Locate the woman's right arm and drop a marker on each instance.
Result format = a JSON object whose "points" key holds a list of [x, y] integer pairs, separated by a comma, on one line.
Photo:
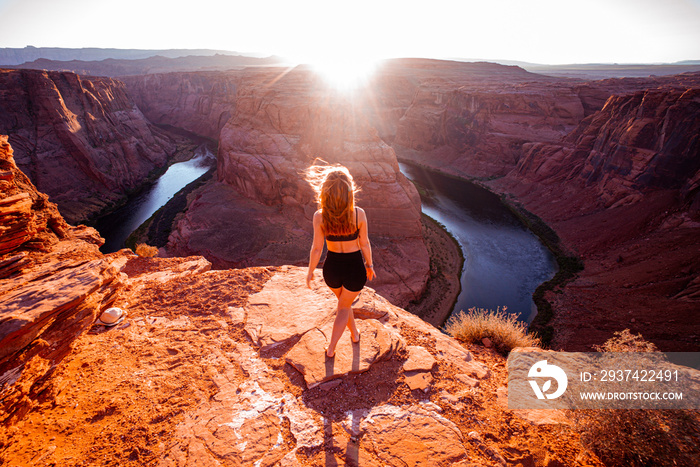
{"points": [[316, 248], [366, 247]]}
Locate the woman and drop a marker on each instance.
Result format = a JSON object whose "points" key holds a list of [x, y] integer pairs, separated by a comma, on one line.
{"points": [[348, 264]]}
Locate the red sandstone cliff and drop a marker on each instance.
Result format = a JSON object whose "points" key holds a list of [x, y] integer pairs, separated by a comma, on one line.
{"points": [[82, 142], [636, 144], [474, 117], [28, 218], [55, 280], [199, 102], [623, 191]]}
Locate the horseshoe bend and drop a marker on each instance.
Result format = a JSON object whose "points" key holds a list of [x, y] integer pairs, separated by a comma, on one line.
{"points": [[220, 358]]}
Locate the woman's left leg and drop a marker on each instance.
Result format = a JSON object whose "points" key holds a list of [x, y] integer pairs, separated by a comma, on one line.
{"points": [[343, 318], [355, 336]]}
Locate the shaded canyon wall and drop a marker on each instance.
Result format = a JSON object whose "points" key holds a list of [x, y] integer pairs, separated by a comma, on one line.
{"points": [[623, 191], [199, 102], [471, 118]]}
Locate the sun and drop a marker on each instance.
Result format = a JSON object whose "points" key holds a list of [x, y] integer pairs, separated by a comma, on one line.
{"points": [[345, 74]]}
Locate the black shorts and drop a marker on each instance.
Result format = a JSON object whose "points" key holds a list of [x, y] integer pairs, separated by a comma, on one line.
{"points": [[345, 270]]}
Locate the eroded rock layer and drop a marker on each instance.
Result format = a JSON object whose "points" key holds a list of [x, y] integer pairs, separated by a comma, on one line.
{"points": [[26, 216], [82, 142], [54, 282], [474, 117]]}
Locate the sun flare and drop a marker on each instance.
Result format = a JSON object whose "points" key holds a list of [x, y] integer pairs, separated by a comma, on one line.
{"points": [[345, 74]]}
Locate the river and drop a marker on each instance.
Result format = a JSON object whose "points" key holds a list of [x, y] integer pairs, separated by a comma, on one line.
{"points": [[116, 227], [503, 261]]}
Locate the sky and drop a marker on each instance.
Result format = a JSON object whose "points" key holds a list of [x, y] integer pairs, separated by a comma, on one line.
{"points": [[538, 31]]}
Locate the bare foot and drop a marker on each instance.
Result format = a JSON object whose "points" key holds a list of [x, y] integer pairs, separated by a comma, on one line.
{"points": [[355, 341], [329, 355]]}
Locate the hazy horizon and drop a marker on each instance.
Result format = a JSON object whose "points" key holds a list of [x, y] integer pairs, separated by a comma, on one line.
{"points": [[548, 32], [688, 61]]}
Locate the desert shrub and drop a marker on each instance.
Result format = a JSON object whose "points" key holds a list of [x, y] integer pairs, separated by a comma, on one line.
{"points": [[628, 437], [625, 341], [502, 328], [145, 250]]}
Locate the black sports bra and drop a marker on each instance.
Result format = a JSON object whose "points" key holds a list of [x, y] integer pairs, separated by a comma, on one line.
{"points": [[347, 237]]}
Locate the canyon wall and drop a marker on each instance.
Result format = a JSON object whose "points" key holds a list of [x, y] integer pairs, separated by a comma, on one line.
{"points": [[637, 143], [28, 218], [280, 125], [82, 142], [474, 117], [623, 191], [200, 102], [480, 131]]}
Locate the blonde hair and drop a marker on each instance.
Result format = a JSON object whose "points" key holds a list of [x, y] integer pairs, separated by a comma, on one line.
{"points": [[335, 195]]}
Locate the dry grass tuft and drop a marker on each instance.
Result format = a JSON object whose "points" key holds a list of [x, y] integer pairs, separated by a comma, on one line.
{"points": [[639, 437], [501, 328], [625, 341], [146, 251]]}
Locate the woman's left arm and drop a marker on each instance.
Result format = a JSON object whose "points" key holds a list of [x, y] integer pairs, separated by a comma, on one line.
{"points": [[366, 247], [316, 248]]}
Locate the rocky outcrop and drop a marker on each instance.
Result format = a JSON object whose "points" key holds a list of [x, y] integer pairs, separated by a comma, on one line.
{"points": [[281, 124], [54, 283], [623, 191], [198, 373], [200, 102], [27, 218], [82, 142]]}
